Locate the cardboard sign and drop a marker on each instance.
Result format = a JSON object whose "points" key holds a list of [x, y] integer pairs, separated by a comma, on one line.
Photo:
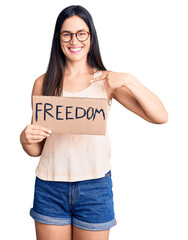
{"points": [[75, 115]]}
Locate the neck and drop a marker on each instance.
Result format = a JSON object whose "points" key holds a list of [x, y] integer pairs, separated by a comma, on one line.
{"points": [[77, 68]]}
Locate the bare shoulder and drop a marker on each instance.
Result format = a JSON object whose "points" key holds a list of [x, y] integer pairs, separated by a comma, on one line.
{"points": [[38, 85], [37, 91]]}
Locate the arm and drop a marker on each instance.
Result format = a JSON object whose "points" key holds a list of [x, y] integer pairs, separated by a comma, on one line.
{"points": [[34, 147], [137, 98], [129, 92]]}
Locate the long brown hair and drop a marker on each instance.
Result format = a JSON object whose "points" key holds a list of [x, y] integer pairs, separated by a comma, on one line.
{"points": [[53, 80]]}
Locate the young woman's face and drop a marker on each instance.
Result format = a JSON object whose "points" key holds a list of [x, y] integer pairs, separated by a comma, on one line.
{"points": [[79, 49]]}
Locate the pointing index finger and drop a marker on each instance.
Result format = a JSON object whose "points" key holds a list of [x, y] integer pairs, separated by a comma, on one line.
{"points": [[102, 77]]}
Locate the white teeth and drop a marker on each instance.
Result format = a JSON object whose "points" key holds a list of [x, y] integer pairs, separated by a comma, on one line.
{"points": [[75, 49]]}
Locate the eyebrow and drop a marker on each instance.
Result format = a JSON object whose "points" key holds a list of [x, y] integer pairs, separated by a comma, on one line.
{"points": [[77, 31]]}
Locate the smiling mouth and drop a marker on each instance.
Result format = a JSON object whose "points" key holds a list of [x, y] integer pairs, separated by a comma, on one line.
{"points": [[75, 50]]}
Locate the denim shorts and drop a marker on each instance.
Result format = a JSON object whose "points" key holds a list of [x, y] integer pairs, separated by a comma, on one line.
{"points": [[86, 204]]}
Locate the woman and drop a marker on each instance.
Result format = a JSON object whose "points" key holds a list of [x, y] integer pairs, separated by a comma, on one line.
{"points": [[73, 189]]}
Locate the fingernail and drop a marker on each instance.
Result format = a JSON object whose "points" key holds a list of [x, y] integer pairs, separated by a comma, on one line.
{"points": [[50, 131], [48, 135], [91, 81]]}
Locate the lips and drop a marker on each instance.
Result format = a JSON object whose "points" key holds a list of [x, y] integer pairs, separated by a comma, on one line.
{"points": [[75, 49]]}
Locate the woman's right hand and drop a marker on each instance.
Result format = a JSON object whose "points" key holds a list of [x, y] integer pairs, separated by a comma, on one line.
{"points": [[34, 134]]}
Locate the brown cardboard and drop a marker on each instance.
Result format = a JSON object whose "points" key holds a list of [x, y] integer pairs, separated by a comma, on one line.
{"points": [[75, 115]]}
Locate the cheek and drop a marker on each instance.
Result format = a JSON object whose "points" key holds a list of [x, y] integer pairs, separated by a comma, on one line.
{"points": [[88, 45], [63, 48]]}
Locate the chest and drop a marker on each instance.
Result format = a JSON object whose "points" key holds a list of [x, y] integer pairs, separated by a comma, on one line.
{"points": [[76, 84]]}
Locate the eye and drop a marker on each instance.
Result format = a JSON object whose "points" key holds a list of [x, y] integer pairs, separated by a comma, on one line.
{"points": [[82, 33], [66, 34]]}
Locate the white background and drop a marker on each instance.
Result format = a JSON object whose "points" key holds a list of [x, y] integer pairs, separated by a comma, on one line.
{"points": [[149, 161]]}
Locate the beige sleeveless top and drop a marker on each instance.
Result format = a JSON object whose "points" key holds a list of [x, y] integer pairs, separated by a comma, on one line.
{"points": [[76, 157]]}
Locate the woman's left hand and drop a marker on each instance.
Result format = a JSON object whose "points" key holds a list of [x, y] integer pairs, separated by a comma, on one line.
{"points": [[112, 80]]}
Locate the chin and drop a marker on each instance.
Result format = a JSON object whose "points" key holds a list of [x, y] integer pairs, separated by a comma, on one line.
{"points": [[76, 58]]}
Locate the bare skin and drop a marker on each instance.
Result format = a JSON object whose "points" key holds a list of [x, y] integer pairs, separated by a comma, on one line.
{"points": [[68, 232], [81, 234], [126, 89], [76, 78], [53, 232]]}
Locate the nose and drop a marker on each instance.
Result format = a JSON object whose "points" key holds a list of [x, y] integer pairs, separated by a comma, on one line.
{"points": [[74, 40]]}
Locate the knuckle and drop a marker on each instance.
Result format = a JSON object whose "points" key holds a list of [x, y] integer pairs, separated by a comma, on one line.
{"points": [[27, 131], [27, 138]]}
